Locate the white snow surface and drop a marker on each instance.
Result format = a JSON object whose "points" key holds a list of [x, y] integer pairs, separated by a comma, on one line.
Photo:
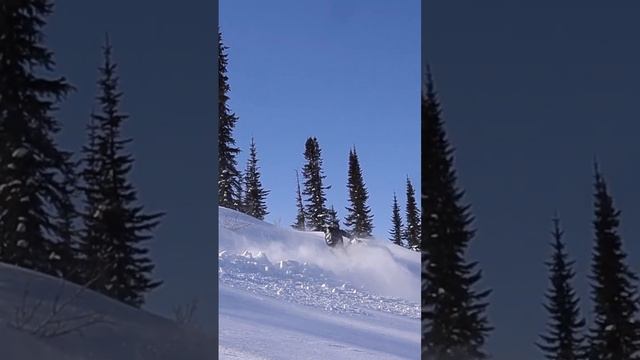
{"points": [[123, 333], [284, 294]]}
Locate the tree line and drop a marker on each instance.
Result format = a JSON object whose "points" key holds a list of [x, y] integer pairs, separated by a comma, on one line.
{"points": [[244, 192], [74, 217], [454, 321]]}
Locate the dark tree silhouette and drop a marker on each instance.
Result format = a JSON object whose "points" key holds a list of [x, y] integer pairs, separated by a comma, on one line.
{"points": [[115, 225], [300, 223], [332, 218], [412, 231], [33, 170], [615, 333], [359, 219], [65, 252], [563, 339], [254, 195], [454, 323], [316, 209], [229, 178], [396, 221]]}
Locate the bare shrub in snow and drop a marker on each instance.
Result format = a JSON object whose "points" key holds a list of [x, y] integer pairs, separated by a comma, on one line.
{"points": [[183, 314], [54, 319]]}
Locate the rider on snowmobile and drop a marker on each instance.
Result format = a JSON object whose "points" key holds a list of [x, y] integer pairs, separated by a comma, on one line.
{"points": [[332, 235]]}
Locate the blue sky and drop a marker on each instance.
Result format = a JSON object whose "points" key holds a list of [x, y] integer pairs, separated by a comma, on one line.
{"points": [[531, 93], [347, 72]]}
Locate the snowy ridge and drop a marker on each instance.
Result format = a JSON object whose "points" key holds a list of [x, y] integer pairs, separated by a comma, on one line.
{"points": [[285, 295], [122, 333]]}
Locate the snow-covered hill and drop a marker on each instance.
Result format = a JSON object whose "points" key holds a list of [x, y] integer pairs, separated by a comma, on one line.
{"points": [[285, 295], [38, 315]]}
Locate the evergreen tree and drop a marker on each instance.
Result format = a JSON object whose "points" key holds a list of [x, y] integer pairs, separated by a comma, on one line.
{"points": [[65, 255], [563, 340], [91, 188], [115, 225], [229, 178], [396, 220], [454, 323], [300, 217], [615, 333], [412, 232], [332, 218], [316, 209], [359, 218], [33, 169], [255, 195]]}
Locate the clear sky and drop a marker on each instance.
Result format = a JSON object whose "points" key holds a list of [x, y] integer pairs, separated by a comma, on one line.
{"points": [[531, 92], [167, 65], [345, 71]]}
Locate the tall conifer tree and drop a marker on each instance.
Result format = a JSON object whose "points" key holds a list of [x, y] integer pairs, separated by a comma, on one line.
{"points": [[359, 219], [615, 333], [412, 231], [91, 188], [564, 339], [316, 209], [33, 170], [332, 216], [300, 223], [115, 226], [255, 195], [65, 255], [229, 178], [454, 323], [396, 221]]}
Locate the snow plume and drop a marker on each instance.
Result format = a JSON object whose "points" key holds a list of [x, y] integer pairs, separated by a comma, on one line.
{"points": [[379, 266]]}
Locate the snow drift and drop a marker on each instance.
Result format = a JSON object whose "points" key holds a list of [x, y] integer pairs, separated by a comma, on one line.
{"points": [[284, 294], [43, 317]]}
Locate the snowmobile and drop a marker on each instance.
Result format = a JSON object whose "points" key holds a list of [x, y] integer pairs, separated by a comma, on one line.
{"points": [[333, 236]]}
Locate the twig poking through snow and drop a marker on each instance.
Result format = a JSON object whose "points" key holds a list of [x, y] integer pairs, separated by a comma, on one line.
{"points": [[54, 322], [183, 315]]}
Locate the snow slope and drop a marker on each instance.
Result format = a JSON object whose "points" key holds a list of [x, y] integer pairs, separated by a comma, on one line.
{"points": [[285, 295], [122, 332]]}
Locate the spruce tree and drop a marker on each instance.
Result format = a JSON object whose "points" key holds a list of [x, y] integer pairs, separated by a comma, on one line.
{"points": [[115, 225], [454, 323], [396, 221], [564, 339], [359, 218], [91, 188], [615, 333], [33, 168], [412, 231], [65, 255], [300, 223], [316, 209], [255, 195], [229, 178], [332, 218]]}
